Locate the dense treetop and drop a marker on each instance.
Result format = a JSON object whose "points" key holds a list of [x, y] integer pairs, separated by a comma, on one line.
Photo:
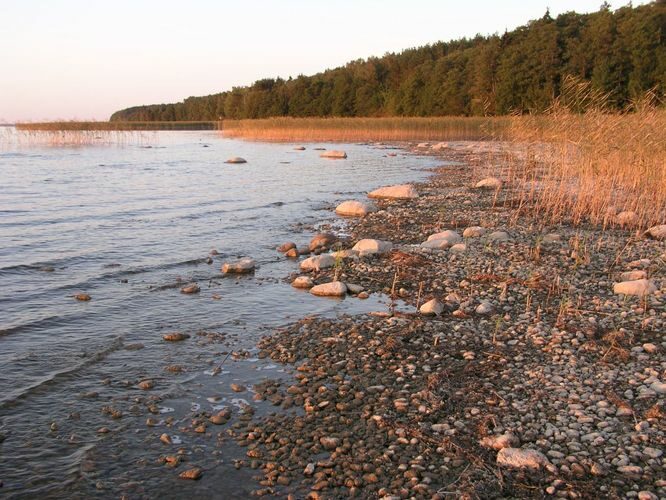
{"points": [[622, 53]]}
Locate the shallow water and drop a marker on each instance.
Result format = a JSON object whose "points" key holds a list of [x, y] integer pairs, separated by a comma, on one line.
{"points": [[129, 224]]}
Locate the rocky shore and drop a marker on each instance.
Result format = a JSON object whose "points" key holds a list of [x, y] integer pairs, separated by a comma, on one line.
{"points": [[527, 373]]}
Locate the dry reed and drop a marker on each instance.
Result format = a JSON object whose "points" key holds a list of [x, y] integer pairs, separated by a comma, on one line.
{"points": [[447, 128], [591, 166]]}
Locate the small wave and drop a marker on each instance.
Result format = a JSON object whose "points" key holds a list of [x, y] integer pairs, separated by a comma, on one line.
{"points": [[48, 381]]}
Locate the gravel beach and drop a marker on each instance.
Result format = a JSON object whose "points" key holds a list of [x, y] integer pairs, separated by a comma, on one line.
{"points": [[531, 379]]}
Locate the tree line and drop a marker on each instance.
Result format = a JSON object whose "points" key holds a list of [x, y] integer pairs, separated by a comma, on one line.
{"points": [[621, 53]]}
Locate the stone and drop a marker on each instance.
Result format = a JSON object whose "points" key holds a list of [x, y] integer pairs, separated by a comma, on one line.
{"points": [[432, 307], [83, 297], [355, 289], [521, 458], [299, 148], [423, 145], [458, 248], [237, 387], [500, 441], [451, 237], [657, 232], [322, 240], [285, 247], [333, 154], [647, 495], [370, 246], [353, 208], [652, 452], [489, 183], [499, 236], [551, 238], [484, 308], [236, 159], [633, 275], [626, 218], [193, 474], [474, 232], [175, 337], [329, 443], [398, 192], [347, 253], [658, 387], [317, 262], [635, 287], [191, 288], [302, 282], [292, 253], [332, 289], [242, 266]]}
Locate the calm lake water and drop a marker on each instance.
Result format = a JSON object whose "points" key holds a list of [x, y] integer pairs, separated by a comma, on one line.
{"points": [[129, 223]]}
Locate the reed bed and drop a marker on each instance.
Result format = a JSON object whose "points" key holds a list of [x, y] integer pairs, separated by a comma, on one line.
{"points": [[448, 128], [592, 166], [118, 126]]}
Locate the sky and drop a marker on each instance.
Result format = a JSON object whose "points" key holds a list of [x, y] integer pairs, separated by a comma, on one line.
{"points": [[85, 59]]}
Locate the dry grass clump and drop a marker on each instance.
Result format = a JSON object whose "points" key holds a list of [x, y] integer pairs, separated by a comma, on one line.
{"points": [[580, 163], [445, 128]]}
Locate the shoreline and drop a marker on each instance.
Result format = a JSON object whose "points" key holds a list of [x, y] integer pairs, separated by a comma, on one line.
{"points": [[411, 405]]}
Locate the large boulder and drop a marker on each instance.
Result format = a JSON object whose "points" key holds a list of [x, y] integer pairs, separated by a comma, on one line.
{"points": [[318, 262], [322, 240], [236, 159], [398, 192], [657, 232], [641, 287], [242, 266], [489, 183], [370, 246], [336, 155], [518, 458], [353, 208], [332, 289]]}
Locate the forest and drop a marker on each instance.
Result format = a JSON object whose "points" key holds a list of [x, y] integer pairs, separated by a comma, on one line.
{"points": [[621, 53]]}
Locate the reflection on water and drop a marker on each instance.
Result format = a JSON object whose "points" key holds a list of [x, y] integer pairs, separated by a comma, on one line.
{"points": [[129, 225]]}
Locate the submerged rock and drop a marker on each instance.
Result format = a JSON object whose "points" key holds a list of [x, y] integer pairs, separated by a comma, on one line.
{"points": [[337, 155], [83, 297], [318, 262], [236, 159], [353, 208], [640, 287], [193, 474], [175, 337], [299, 148], [489, 183], [245, 265], [191, 288], [332, 289], [400, 192]]}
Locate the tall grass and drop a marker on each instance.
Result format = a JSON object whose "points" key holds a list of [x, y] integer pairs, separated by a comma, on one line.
{"points": [[580, 163], [446, 128]]}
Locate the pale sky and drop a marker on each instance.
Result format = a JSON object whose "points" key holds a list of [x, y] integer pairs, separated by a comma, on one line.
{"points": [[84, 59]]}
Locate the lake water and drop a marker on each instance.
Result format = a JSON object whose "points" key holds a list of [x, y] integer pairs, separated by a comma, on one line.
{"points": [[129, 223]]}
